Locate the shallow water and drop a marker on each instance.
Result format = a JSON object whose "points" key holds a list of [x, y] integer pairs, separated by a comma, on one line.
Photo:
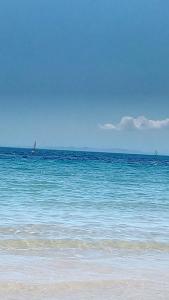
{"points": [[78, 225]]}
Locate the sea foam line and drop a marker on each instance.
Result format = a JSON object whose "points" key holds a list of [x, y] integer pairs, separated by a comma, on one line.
{"points": [[38, 244]]}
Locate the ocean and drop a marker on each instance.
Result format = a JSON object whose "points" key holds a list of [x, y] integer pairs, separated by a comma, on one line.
{"points": [[83, 225]]}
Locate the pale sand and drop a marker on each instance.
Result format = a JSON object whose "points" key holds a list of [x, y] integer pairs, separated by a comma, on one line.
{"points": [[96, 290]]}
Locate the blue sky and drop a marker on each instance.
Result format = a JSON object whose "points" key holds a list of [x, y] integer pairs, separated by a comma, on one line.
{"points": [[69, 66]]}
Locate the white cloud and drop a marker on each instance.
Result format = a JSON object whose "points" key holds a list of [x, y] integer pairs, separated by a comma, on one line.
{"points": [[139, 123]]}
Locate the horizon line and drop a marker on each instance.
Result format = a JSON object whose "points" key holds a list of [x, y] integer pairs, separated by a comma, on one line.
{"points": [[89, 149]]}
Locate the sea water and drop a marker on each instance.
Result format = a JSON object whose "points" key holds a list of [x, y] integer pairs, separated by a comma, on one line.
{"points": [[83, 225]]}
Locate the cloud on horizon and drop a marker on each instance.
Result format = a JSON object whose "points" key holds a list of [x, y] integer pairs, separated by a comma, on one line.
{"points": [[138, 123]]}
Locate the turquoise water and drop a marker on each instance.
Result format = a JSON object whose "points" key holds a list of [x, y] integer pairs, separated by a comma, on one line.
{"points": [[94, 216]]}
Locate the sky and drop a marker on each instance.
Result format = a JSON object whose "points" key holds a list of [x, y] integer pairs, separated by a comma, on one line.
{"points": [[85, 73]]}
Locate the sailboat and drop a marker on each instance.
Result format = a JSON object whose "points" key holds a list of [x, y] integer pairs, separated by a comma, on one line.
{"points": [[34, 147], [156, 153]]}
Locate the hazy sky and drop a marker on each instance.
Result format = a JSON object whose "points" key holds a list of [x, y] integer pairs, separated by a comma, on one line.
{"points": [[69, 67]]}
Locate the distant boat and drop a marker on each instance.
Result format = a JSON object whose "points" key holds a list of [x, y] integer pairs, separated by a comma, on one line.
{"points": [[156, 153], [34, 147]]}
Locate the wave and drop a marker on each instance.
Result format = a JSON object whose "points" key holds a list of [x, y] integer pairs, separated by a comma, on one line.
{"points": [[107, 245]]}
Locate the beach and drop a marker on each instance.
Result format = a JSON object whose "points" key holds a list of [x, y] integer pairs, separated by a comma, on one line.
{"points": [[83, 225]]}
